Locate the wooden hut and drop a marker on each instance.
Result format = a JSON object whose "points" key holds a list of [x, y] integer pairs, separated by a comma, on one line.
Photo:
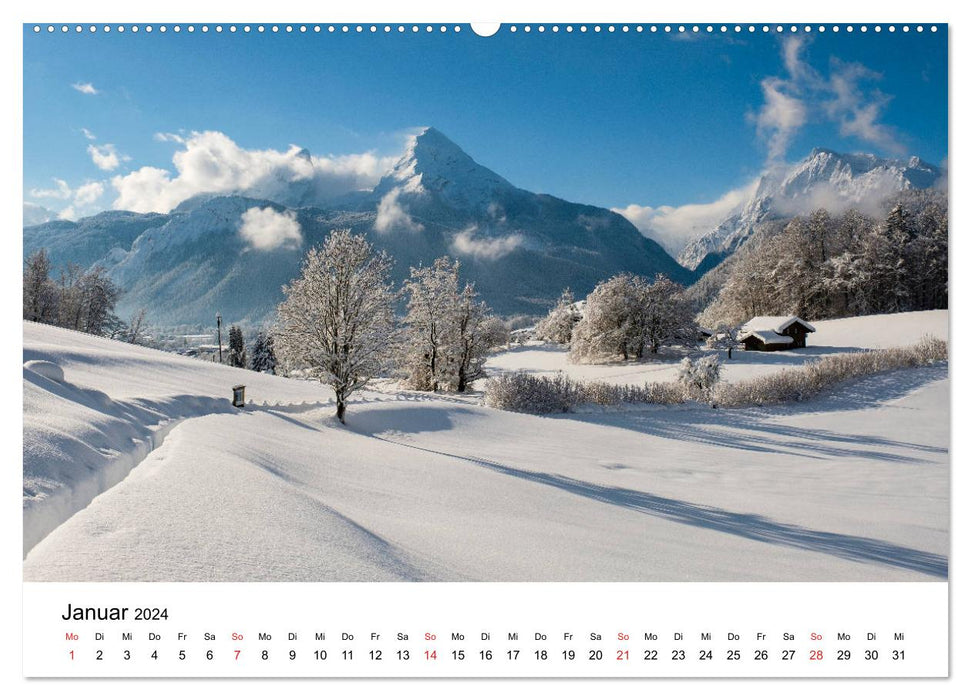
{"points": [[767, 333]]}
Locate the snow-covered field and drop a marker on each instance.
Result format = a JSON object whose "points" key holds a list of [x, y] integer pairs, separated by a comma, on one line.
{"points": [[842, 335], [423, 487]]}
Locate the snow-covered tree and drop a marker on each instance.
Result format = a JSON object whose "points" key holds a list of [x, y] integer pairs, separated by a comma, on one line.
{"points": [[608, 325], [262, 355], [337, 320], [899, 232], [495, 332], [558, 325], [473, 338], [929, 253], [724, 337], [432, 299], [627, 315], [666, 316], [448, 329], [237, 347], [699, 377]]}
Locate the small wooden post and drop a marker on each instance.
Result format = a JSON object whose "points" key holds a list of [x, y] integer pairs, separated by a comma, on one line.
{"points": [[219, 335], [239, 395]]}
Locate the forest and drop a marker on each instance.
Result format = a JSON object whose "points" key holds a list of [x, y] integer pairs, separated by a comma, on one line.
{"points": [[827, 265]]}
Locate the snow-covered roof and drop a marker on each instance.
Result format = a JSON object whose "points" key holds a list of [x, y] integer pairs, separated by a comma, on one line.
{"points": [[769, 337], [774, 323]]}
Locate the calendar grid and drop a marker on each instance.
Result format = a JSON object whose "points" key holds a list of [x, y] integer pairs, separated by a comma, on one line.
{"points": [[479, 630]]}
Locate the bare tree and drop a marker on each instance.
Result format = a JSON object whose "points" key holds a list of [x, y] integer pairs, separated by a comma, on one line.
{"points": [[81, 300], [134, 332], [337, 320], [86, 301], [724, 337], [40, 294]]}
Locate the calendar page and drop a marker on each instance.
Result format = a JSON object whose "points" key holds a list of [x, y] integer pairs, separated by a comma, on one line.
{"points": [[515, 350]]}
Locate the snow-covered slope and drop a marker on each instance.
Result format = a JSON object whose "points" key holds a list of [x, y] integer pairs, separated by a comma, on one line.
{"points": [[881, 330], [115, 405], [424, 487], [825, 179]]}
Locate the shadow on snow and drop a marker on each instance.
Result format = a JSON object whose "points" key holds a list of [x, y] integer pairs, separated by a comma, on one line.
{"points": [[747, 525], [756, 430]]}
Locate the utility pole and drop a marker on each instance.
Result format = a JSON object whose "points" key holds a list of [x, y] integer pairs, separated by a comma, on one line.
{"points": [[219, 335]]}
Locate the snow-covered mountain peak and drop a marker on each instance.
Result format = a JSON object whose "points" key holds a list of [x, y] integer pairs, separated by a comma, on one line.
{"points": [[433, 163], [824, 163], [824, 179], [430, 146]]}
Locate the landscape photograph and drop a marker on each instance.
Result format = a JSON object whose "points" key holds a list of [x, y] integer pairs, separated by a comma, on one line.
{"points": [[406, 303]]}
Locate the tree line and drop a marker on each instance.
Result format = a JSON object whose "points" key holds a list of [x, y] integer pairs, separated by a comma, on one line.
{"points": [[836, 265], [78, 299]]}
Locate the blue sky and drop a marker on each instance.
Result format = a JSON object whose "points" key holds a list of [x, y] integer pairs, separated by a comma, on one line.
{"points": [[608, 119]]}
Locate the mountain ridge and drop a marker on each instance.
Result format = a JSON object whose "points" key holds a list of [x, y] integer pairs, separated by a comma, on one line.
{"points": [[520, 248], [824, 179]]}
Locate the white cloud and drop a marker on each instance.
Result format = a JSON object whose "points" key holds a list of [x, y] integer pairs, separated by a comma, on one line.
{"points": [[61, 191], [857, 111], [146, 189], [781, 116], [106, 157], [804, 94], [466, 243], [392, 216], [164, 136], [675, 227], [210, 162], [83, 200], [85, 88], [839, 196], [88, 193], [497, 212], [268, 229], [796, 66], [88, 134]]}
